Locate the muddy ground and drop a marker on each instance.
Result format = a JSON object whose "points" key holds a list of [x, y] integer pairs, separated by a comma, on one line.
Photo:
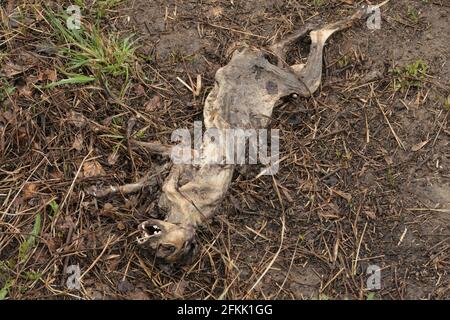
{"points": [[364, 179]]}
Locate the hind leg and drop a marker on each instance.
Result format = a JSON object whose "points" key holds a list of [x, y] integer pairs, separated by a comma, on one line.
{"points": [[281, 48], [310, 74]]}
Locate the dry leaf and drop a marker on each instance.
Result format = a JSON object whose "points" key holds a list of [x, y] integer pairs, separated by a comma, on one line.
{"points": [[388, 160], [370, 214], [108, 210], [22, 136], [112, 158], [215, 12], [52, 243], [419, 146], [125, 286], [138, 295], [77, 119], [139, 90], [51, 75], [11, 69], [153, 104], [345, 195], [121, 226], [287, 194], [235, 202], [112, 262], [330, 211], [307, 186], [25, 92], [78, 142], [29, 191], [8, 116], [93, 169], [23, 62], [328, 216], [47, 74], [107, 121], [54, 173]]}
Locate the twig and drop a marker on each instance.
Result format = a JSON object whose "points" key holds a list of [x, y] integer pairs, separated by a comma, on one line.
{"points": [[400, 143], [355, 263], [98, 258], [145, 181], [273, 259]]}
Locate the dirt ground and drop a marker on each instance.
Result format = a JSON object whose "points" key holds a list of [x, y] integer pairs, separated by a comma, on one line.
{"points": [[364, 179]]}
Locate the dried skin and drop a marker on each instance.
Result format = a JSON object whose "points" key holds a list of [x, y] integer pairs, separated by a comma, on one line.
{"points": [[245, 93]]}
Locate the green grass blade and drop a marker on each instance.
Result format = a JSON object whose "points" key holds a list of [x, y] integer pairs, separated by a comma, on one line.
{"points": [[5, 290], [26, 246], [79, 79]]}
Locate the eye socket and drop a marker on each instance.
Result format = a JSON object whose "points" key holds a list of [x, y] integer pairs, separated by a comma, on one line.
{"points": [[166, 249], [152, 230]]}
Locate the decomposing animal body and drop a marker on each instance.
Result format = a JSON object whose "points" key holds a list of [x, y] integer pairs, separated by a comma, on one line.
{"points": [[245, 93]]}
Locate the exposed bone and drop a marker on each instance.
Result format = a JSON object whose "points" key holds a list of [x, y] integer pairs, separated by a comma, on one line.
{"points": [[153, 147], [245, 93], [147, 181]]}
